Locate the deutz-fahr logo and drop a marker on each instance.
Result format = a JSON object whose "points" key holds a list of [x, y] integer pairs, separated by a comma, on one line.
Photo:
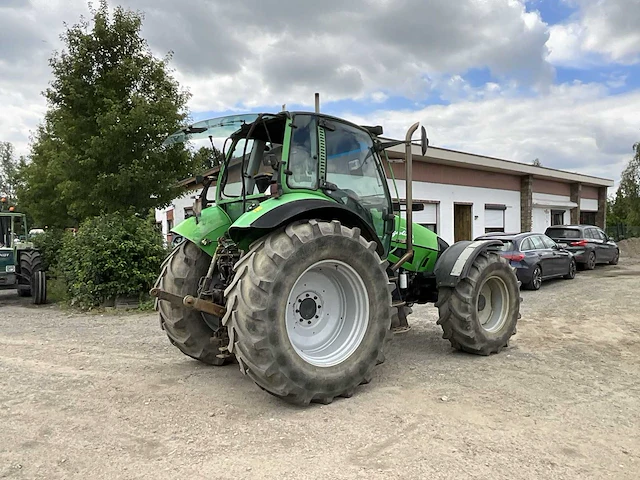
{"points": [[4, 255]]}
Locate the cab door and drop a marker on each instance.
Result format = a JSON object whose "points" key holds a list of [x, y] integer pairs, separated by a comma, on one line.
{"points": [[351, 172]]}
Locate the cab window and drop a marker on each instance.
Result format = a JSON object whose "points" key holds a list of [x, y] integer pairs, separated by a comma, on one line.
{"points": [[303, 153]]}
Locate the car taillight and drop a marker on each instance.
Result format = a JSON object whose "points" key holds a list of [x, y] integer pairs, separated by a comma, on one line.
{"points": [[516, 257], [581, 243]]}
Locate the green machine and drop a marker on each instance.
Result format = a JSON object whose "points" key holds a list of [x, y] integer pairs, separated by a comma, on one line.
{"points": [[302, 265], [20, 262]]}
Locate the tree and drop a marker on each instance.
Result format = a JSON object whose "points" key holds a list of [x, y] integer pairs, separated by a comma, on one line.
{"points": [[206, 158], [536, 162], [9, 168], [111, 104], [625, 207]]}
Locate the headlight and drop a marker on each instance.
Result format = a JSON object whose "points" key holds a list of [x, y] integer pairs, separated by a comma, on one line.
{"points": [[11, 268]]}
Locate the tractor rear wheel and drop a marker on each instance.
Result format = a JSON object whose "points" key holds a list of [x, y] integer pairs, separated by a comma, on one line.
{"points": [[479, 315], [309, 311], [30, 263], [185, 327]]}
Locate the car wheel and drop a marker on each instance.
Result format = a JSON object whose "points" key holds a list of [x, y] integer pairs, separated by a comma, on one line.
{"points": [[536, 279], [616, 258], [591, 261], [572, 270]]}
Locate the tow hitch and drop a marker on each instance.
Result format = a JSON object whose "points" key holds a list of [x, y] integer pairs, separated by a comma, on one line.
{"points": [[189, 301]]}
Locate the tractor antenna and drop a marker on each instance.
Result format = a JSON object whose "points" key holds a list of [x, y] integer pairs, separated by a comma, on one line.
{"points": [[317, 103]]}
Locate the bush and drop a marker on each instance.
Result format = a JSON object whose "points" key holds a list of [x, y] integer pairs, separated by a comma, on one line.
{"points": [[115, 255], [49, 244]]}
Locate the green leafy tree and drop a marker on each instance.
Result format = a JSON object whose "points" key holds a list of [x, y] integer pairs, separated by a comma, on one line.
{"points": [[111, 104], [624, 208], [9, 169], [206, 158]]}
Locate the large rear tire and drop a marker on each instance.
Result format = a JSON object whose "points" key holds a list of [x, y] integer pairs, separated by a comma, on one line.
{"points": [[309, 311], [480, 314], [185, 327], [30, 263]]}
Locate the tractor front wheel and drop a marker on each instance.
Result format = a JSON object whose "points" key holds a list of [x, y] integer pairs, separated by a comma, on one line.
{"points": [[309, 311], [479, 315]]}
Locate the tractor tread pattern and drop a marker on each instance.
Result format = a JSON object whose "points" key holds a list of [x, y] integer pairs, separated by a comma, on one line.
{"points": [[249, 315], [457, 311], [185, 327], [30, 263]]}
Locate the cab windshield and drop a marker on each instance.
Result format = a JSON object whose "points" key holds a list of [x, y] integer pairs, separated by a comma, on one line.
{"points": [[12, 230], [251, 144]]}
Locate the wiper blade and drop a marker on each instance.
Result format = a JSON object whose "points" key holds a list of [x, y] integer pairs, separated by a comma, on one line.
{"points": [[191, 129]]}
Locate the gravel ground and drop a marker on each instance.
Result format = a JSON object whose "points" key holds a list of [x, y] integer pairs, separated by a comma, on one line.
{"points": [[106, 396]]}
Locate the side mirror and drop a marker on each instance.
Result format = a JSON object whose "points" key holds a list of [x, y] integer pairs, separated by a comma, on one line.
{"points": [[424, 141]]}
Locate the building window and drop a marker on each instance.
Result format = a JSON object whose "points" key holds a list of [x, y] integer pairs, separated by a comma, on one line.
{"points": [[431, 226], [427, 216], [557, 217], [494, 218], [588, 218]]}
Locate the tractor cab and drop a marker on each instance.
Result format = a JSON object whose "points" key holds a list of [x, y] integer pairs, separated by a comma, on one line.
{"points": [[291, 158]]}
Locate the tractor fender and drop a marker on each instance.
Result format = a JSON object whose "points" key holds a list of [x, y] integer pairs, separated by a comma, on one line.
{"points": [[455, 262], [205, 230], [307, 209]]}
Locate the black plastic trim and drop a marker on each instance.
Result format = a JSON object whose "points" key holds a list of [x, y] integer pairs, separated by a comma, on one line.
{"points": [[448, 258], [314, 208]]}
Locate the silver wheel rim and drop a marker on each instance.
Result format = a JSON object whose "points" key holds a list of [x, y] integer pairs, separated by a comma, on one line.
{"points": [[537, 277], [327, 313], [493, 304]]}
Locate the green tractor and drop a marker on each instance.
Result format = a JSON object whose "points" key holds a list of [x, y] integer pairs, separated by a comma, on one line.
{"points": [[301, 267], [20, 262]]}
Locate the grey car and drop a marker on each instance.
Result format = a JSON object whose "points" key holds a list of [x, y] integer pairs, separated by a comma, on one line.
{"points": [[589, 245]]}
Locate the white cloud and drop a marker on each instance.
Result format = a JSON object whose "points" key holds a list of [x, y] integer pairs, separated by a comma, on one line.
{"points": [[573, 127], [601, 31], [251, 53]]}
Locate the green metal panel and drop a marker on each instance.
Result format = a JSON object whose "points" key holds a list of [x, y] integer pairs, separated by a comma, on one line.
{"points": [[425, 246], [205, 231]]}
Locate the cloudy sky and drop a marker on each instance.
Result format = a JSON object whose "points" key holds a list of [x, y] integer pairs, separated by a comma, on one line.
{"points": [[557, 80]]}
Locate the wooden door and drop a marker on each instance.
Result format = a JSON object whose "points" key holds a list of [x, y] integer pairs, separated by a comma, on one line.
{"points": [[462, 222]]}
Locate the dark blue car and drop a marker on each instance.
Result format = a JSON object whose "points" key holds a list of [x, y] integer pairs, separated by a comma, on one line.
{"points": [[536, 257]]}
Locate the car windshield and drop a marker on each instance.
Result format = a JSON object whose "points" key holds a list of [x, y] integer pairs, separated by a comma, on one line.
{"points": [[563, 233]]}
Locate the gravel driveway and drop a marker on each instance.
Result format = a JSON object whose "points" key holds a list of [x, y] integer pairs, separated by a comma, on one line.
{"points": [[106, 396]]}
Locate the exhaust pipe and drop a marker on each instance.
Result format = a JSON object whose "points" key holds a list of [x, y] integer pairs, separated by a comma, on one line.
{"points": [[409, 194], [317, 103]]}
